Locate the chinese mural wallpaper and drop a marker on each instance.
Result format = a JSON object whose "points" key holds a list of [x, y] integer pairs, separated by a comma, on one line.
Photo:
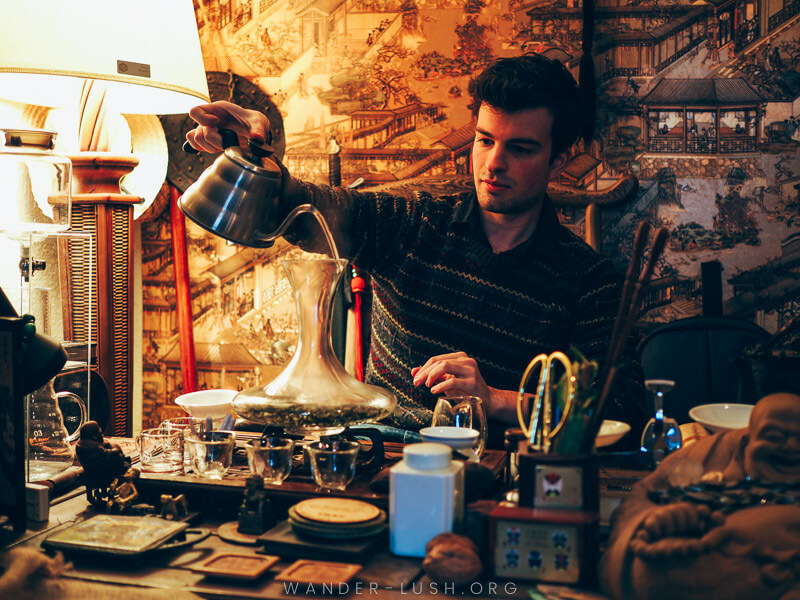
{"points": [[700, 101]]}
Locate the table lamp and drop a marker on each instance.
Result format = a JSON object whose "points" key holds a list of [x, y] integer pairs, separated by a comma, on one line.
{"points": [[104, 58]]}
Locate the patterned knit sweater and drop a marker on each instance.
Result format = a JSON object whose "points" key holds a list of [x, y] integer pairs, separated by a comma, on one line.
{"points": [[438, 287]]}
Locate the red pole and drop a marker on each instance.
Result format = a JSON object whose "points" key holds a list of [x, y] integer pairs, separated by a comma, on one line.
{"points": [[358, 285], [183, 294]]}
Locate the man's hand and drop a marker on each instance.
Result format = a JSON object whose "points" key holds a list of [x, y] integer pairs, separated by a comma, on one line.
{"points": [[452, 375], [457, 374], [225, 115]]}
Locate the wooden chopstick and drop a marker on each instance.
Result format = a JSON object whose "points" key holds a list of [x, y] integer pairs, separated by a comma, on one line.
{"points": [[659, 242], [639, 245], [618, 343]]}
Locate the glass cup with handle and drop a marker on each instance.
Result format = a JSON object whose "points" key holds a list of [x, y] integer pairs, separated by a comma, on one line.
{"points": [[188, 426], [333, 462], [271, 458], [462, 411], [161, 451]]}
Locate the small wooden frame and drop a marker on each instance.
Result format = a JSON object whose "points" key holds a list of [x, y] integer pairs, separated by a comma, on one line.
{"points": [[231, 565], [557, 546], [559, 481], [318, 572]]}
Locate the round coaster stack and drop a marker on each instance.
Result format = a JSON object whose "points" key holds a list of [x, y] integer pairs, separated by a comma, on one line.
{"points": [[336, 518]]}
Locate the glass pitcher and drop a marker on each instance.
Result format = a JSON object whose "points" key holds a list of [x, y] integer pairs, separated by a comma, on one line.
{"points": [[314, 395], [49, 447]]}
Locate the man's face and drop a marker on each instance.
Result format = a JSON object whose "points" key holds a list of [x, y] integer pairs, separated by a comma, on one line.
{"points": [[772, 454], [511, 159]]}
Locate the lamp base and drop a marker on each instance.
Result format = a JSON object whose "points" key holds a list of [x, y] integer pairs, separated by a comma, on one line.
{"points": [[100, 172], [100, 208]]}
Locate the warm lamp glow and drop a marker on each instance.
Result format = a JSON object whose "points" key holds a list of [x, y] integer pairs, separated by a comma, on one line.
{"points": [[147, 52], [101, 59]]}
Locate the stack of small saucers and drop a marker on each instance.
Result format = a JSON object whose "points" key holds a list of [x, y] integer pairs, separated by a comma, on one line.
{"points": [[336, 518]]}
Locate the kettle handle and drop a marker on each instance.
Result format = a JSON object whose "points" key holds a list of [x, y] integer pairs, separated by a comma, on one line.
{"points": [[229, 138]]}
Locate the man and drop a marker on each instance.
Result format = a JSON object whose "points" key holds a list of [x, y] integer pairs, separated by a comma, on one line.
{"points": [[468, 288]]}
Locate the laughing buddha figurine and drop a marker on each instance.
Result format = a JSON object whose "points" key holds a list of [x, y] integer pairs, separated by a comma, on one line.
{"points": [[718, 519]]}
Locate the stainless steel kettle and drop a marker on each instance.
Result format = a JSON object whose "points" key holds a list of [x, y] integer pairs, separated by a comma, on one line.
{"points": [[237, 197]]}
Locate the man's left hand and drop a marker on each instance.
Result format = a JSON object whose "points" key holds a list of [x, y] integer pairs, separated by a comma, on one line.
{"points": [[452, 375], [456, 374]]}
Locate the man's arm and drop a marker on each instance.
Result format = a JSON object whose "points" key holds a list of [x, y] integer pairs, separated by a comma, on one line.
{"points": [[367, 227]]}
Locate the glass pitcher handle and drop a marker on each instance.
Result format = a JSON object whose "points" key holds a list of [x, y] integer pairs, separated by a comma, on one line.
{"points": [[81, 406]]}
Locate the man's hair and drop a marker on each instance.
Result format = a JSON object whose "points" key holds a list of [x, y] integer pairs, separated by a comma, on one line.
{"points": [[532, 81]]}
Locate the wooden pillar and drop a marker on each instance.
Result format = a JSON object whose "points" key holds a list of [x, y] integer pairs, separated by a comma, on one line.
{"points": [[594, 227]]}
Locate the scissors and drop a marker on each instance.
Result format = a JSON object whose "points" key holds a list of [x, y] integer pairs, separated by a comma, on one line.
{"points": [[543, 402]]}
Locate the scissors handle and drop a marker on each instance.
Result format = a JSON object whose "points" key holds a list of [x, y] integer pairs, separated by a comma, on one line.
{"points": [[543, 405]]}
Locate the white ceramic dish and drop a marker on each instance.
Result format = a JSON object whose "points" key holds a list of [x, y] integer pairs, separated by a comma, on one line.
{"points": [[455, 437], [722, 417], [610, 432], [459, 438], [207, 403]]}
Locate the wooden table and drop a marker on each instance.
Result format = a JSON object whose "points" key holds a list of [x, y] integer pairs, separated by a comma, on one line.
{"points": [[384, 575]]}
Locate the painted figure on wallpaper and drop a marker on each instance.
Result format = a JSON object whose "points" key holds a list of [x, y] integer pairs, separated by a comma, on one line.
{"points": [[735, 222]]}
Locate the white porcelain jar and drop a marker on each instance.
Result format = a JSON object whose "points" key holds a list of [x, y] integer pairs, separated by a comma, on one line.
{"points": [[426, 497]]}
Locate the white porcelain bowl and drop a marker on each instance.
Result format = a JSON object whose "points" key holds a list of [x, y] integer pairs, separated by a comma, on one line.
{"points": [[458, 438], [610, 432], [207, 403], [722, 417], [455, 437]]}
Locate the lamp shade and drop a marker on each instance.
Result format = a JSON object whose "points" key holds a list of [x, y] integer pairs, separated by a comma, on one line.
{"points": [[147, 51]]}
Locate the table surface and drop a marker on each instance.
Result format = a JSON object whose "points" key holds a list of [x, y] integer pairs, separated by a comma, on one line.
{"points": [[383, 575]]}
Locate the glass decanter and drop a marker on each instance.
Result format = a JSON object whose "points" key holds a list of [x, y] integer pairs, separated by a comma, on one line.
{"points": [[314, 395]]}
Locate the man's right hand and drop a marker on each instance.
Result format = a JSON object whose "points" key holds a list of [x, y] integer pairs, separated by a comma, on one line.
{"points": [[225, 115]]}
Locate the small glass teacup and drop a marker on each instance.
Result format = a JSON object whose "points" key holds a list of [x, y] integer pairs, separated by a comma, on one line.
{"points": [[212, 453], [270, 457], [333, 462]]}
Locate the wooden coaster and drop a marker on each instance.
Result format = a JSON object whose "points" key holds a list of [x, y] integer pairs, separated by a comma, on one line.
{"points": [[318, 572], [336, 534], [230, 533], [230, 565], [331, 525], [336, 510]]}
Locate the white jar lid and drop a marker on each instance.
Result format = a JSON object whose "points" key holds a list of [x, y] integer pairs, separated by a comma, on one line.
{"points": [[427, 455]]}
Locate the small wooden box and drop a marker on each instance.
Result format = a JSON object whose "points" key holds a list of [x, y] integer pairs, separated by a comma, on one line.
{"points": [[556, 546], [559, 481]]}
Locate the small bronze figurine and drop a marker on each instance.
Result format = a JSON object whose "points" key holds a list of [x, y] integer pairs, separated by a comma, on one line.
{"points": [[122, 492], [101, 460], [255, 515], [174, 508]]}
